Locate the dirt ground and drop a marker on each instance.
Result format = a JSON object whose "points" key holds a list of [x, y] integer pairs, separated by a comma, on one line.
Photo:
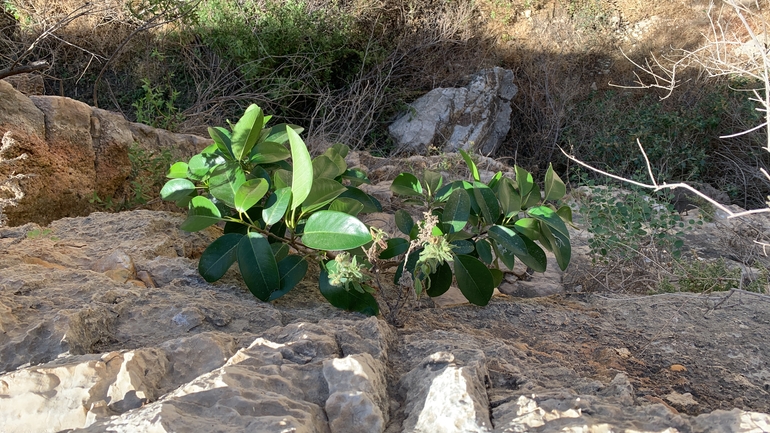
{"points": [[713, 347]]}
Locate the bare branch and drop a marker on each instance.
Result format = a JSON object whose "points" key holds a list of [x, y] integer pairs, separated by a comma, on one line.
{"points": [[34, 66]]}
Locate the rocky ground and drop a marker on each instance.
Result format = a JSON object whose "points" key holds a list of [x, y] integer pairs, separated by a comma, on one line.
{"points": [[107, 326]]}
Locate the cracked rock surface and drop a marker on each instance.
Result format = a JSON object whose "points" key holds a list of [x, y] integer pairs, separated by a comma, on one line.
{"points": [[107, 326]]}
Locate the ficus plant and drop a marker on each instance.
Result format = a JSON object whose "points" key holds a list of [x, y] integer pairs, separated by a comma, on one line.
{"points": [[279, 208], [474, 231]]}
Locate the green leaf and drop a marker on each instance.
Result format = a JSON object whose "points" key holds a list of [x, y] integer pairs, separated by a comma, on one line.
{"points": [[250, 193], [484, 250], [177, 171], [396, 247], [524, 181], [282, 179], [331, 231], [445, 191], [219, 256], [411, 264], [554, 187], [202, 214], [535, 257], [221, 138], [200, 165], [347, 205], [473, 279], [433, 181], [323, 166], [510, 200], [279, 135], [471, 165], [370, 203], [495, 180], [177, 189], [350, 300], [404, 222], [247, 131], [280, 250], [292, 270], [528, 227], [462, 246], [497, 277], [504, 255], [302, 174], [276, 206], [266, 152], [406, 184], [225, 181], [565, 213], [322, 193], [533, 198], [560, 246], [548, 216], [457, 210], [487, 201], [440, 281], [257, 265], [355, 176], [508, 239]]}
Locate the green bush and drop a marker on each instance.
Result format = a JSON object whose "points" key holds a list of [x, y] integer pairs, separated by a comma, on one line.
{"points": [[278, 215]]}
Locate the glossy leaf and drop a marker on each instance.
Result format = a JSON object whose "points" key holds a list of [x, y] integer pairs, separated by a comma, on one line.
{"points": [[484, 250], [533, 199], [281, 179], [257, 265], [554, 187], [323, 166], [404, 222], [406, 184], [433, 181], [247, 131], [222, 139], [471, 165], [177, 171], [535, 257], [176, 189], [487, 201], [560, 246], [250, 193], [302, 175], [510, 200], [276, 206], [565, 213], [280, 250], [219, 256], [504, 255], [291, 270], [548, 216], [440, 281], [200, 165], [267, 152], [457, 210], [370, 203], [329, 230], [355, 176], [279, 135], [462, 246], [347, 205], [524, 181], [225, 181], [497, 277], [396, 247], [473, 279], [508, 239], [495, 180], [528, 227], [322, 193], [350, 300], [202, 214]]}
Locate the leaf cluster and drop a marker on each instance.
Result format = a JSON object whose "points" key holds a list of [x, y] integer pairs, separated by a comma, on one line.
{"points": [[486, 226], [280, 208]]}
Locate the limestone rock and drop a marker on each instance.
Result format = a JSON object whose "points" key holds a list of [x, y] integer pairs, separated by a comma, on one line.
{"points": [[111, 139], [477, 116], [357, 394], [446, 393], [20, 113]]}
